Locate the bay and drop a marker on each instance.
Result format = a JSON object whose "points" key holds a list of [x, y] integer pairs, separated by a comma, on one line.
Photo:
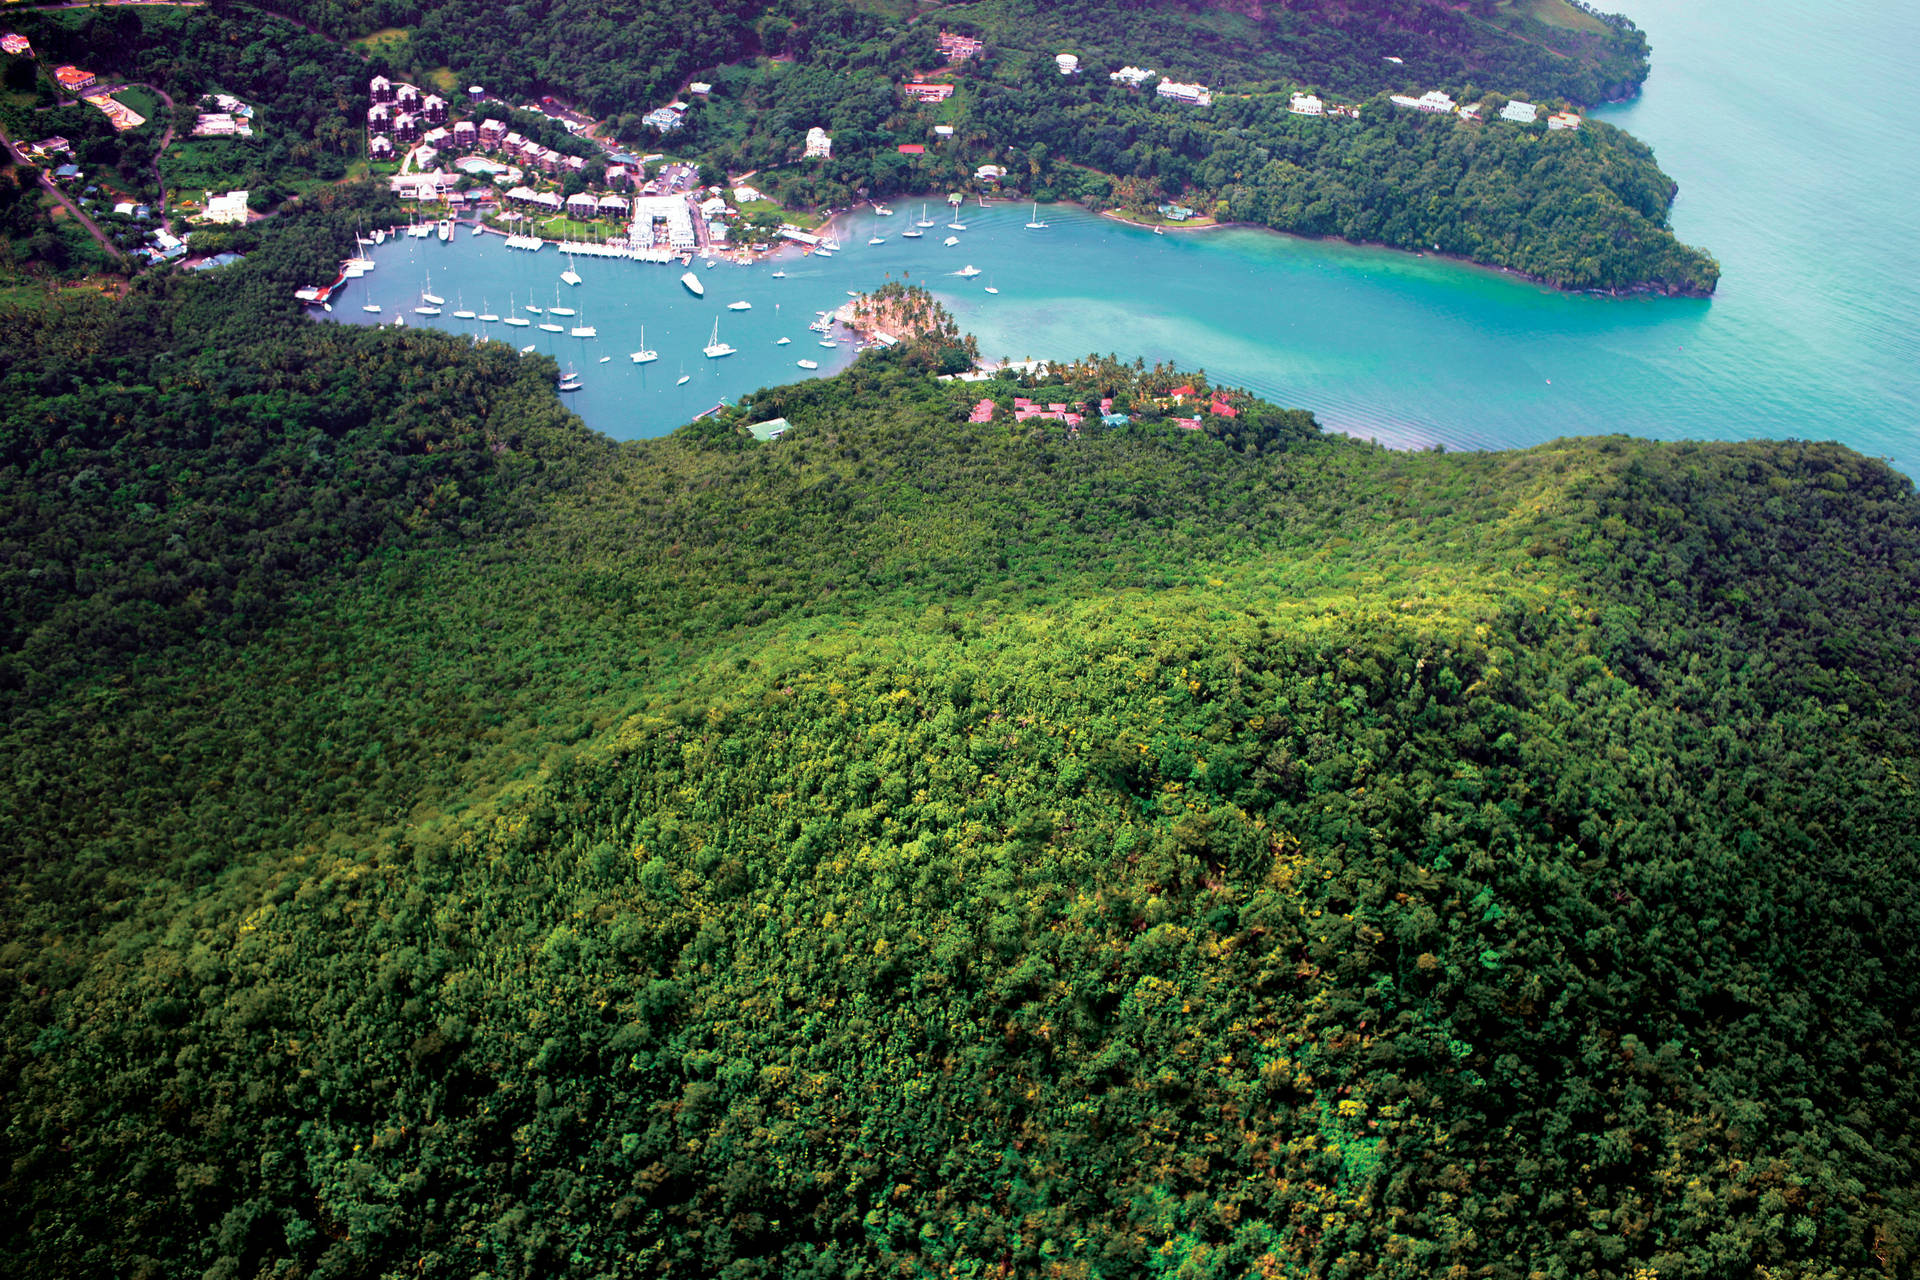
{"points": [[1772, 118]]}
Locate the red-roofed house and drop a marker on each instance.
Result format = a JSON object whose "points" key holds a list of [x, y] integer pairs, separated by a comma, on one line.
{"points": [[982, 412], [911, 149], [1221, 409], [1181, 393]]}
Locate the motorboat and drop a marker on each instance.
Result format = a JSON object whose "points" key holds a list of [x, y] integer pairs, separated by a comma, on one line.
{"points": [[950, 241], [374, 307], [604, 359], [808, 364], [779, 275], [527, 350], [716, 348], [968, 272], [684, 379], [779, 342], [446, 230], [693, 284], [740, 306]]}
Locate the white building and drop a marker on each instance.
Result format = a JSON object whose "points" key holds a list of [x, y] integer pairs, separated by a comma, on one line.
{"points": [[1563, 120], [229, 209], [819, 145], [1306, 104], [943, 131], [745, 194], [1519, 112], [1432, 100], [1196, 94], [1068, 64], [1133, 76], [699, 88]]}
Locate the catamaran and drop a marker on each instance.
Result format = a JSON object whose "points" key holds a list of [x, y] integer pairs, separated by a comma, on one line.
{"points": [[584, 331], [645, 355], [1034, 223], [716, 348], [570, 275], [693, 284]]}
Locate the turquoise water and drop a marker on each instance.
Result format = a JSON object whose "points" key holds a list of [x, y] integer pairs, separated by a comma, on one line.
{"points": [[1775, 120]]}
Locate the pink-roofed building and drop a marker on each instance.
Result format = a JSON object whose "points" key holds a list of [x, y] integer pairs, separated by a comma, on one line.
{"points": [[1022, 402], [1221, 409], [1106, 404], [1187, 424], [982, 412]]}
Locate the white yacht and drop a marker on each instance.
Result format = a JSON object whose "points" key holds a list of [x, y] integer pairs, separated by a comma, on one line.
{"points": [[740, 306], [808, 364], [778, 342], [645, 355], [693, 284], [968, 272], [716, 348], [779, 275], [950, 241], [373, 307]]}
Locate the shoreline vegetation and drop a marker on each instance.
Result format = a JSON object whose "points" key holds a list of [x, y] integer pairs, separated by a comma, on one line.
{"points": [[940, 841]]}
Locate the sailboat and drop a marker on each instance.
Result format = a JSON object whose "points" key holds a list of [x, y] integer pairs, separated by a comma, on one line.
{"points": [[716, 348], [779, 275], [556, 309], [570, 380], [584, 330], [373, 307], [514, 318], [570, 275], [1034, 223], [684, 377], [991, 287], [487, 317], [912, 233], [462, 313], [956, 224], [924, 221], [644, 355], [878, 240], [428, 296]]}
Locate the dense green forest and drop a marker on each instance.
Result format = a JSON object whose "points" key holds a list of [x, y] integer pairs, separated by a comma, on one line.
{"points": [[439, 841]]}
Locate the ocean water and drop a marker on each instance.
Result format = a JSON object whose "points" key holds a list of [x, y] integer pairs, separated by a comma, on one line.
{"points": [[1773, 118]]}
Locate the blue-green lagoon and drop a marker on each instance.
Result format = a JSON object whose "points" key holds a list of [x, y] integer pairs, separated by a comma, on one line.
{"points": [[1806, 198]]}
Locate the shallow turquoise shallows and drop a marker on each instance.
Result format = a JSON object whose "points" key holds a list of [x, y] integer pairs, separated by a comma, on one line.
{"points": [[1775, 119]]}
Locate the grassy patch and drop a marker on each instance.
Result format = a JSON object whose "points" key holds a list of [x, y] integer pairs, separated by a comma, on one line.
{"points": [[210, 163], [443, 79], [139, 100], [1557, 13], [388, 41]]}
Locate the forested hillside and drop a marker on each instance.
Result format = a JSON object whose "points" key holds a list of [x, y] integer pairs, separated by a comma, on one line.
{"points": [[441, 842]]}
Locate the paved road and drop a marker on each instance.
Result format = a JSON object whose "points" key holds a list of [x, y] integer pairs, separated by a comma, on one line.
{"points": [[47, 184]]}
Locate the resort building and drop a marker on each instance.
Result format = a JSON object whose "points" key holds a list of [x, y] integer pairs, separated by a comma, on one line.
{"points": [[920, 92], [379, 116], [380, 89], [221, 124], [1519, 112], [406, 128], [406, 98], [466, 134], [1432, 100], [229, 209], [492, 134], [16, 44], [1133, 77], [1069, 64], [662, 119], [380, 147], [73, 79], [611, 206], [819, 145], [434, 109], [1197, 94], [1306, 104], [1563, 120], [581, 205]]}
